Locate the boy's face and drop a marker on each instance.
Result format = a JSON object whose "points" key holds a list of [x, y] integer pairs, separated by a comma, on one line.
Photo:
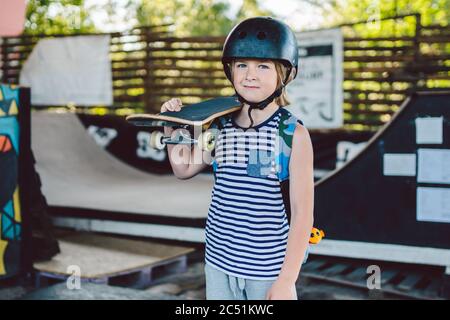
{"points": [[254, 80]]}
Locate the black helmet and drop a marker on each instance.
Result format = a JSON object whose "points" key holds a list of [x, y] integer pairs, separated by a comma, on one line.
{"points": [[261, 38]]}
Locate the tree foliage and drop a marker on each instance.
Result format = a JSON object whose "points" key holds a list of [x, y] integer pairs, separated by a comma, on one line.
{"points": [[339, 12], [213, 17], [64, 16], [195, 17]]}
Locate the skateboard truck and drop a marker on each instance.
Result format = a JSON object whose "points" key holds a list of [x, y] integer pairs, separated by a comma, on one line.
{"points": [[206, 140]]}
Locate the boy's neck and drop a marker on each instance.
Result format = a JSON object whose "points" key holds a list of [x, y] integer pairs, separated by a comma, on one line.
{"points": [[258, 116]]}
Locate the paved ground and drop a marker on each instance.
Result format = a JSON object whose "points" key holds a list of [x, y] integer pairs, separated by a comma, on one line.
{"points": [[189, 285]]}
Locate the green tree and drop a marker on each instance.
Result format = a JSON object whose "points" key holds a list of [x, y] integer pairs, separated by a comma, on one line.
{"points": [[195, 17], [190, 17], [64, 16], [348, 11], [251, 8]]}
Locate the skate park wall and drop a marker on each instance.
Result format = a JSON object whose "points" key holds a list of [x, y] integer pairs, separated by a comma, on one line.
{"points": [[391, 202], [14, 194]]}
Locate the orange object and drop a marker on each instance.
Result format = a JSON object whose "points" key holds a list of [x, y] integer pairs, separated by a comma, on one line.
{"points": [[12, 17], [316, 236], [5, 144]]}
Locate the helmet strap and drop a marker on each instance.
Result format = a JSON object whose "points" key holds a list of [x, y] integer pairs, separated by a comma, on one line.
{"points": [[261, 104]]}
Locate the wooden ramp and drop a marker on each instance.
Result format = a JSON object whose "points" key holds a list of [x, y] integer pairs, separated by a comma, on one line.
{"points": [[114, 261]]}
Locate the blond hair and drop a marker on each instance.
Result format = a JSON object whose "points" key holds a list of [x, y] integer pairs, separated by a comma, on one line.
{"points": [[282, 100], [281, 70]]}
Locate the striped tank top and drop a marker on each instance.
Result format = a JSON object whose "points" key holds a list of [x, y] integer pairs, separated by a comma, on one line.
{"points": [[247, 227]]}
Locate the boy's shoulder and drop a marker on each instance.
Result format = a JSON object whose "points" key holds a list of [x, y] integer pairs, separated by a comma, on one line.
{"points": [[288, 122]]}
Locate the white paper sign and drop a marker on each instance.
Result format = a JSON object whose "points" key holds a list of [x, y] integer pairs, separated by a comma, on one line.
{"points": [[316, 94], [399, 164], [433, 204], [69, 70], [429, 130], [434, 166]]}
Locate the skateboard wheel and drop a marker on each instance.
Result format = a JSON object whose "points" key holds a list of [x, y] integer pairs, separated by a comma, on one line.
{"points": [[156, 140], [207, 141]]}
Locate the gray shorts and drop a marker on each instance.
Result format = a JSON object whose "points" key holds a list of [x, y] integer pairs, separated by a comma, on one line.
{"points": [[221, 286]]}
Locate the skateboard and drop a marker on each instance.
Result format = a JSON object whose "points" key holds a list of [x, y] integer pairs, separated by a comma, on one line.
{"points": [[199, 115]]}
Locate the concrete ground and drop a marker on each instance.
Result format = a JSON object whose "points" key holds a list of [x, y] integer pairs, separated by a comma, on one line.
{"points": [[189, 285]]}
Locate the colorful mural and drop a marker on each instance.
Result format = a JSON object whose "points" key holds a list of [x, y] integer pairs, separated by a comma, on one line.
{"points": [[10, 213]]}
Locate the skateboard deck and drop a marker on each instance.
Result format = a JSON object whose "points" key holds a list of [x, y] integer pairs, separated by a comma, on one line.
{"points": [[200, 115]]}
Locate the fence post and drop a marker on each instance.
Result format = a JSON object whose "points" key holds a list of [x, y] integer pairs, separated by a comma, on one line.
{"points": [[417, 54], [147, 66], [3, 55]]}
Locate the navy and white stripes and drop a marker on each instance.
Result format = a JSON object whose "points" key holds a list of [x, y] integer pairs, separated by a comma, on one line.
{"points": [[247, 227]]}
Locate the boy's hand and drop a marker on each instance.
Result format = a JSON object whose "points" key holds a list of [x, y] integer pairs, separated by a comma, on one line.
{"points": [[173, 104], [282, 290]]}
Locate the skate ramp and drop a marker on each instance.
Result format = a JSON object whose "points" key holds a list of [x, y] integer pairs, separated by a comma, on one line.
{"points": [[77, 174]]}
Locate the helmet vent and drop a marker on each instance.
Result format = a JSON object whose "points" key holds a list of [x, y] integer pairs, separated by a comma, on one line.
{"points": [[261, 35], [242, 34]]}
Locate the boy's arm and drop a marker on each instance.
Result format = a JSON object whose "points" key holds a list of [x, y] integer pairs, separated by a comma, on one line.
{"points": [[301, 188]]}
